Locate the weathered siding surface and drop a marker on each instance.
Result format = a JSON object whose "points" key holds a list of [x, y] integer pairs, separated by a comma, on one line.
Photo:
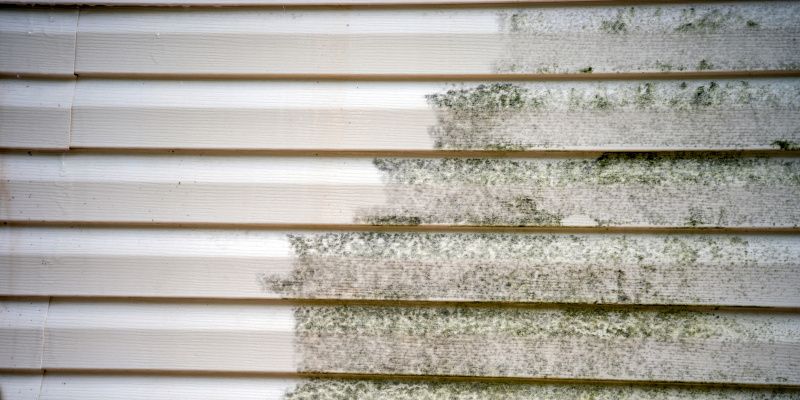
{"points": [[757, 270], [594, 201], [712, 114], [733, 36]]}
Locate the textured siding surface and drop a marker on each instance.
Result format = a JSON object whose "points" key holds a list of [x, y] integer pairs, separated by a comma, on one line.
{"points": [[545, 200]]}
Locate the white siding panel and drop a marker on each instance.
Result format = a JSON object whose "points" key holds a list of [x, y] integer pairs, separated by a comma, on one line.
{"points": [[731, 347], [35, 114], [37, 41], [20, 386], [154, 387], [59, 386], [21, 330], [281, 115], [732, 270], [612, 190], [438, 42], [170, 336]]}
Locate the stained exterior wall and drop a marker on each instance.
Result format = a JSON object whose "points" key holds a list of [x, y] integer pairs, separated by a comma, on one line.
{"points": [[497, 201]]}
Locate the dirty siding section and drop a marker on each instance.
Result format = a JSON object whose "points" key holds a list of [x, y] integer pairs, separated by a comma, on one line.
{"points": [[603, 238]]}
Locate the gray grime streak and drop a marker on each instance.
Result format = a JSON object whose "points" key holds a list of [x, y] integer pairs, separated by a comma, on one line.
{"points": [[586, 268], [330, 389], [744, 36]]}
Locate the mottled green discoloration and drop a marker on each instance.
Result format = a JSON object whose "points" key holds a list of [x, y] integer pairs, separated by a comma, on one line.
{"points": [[786, 145], [665, 38], [709, 21], [611, 168], [586, 268], [704, 65], [328, 389], [619, 24], [515, 116], [664, 345], [543, 192]]}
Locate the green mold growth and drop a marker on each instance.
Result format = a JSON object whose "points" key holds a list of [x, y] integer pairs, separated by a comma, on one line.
{"points": [[706, 97], [532, 342], [618, 269], [506, 116], [510, 192], [752, 24], [704, 65], [335, 389], [703, 168], [786, 145], [644, 96], [617, 25], [710, 21], [468, 115], [374, 321], [587, 70]]}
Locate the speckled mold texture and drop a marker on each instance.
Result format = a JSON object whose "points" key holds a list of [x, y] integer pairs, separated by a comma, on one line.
{"points": [[680, 37], [714, 114], [555, 268], [616, 189], [326, 389], [576, 343]]}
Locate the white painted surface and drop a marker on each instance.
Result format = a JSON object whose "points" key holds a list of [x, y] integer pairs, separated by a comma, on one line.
{"points": [[21, 330], [38, 41], [20, 386], [191, 336], [35, 114]]}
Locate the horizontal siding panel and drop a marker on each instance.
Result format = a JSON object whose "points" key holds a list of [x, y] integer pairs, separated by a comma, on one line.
{"points": [[20, 386], [631, 115], [35, 114], [730, 270], [21, 332], [657, 190], [721, 346], [135, 387], [37, 41], [733, 36], [170, 336], [59, 386]]}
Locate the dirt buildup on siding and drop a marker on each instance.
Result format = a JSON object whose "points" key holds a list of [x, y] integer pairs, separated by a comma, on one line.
{"points": [[528, 192], [334, 389], [513, 116], [618, 269]]}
